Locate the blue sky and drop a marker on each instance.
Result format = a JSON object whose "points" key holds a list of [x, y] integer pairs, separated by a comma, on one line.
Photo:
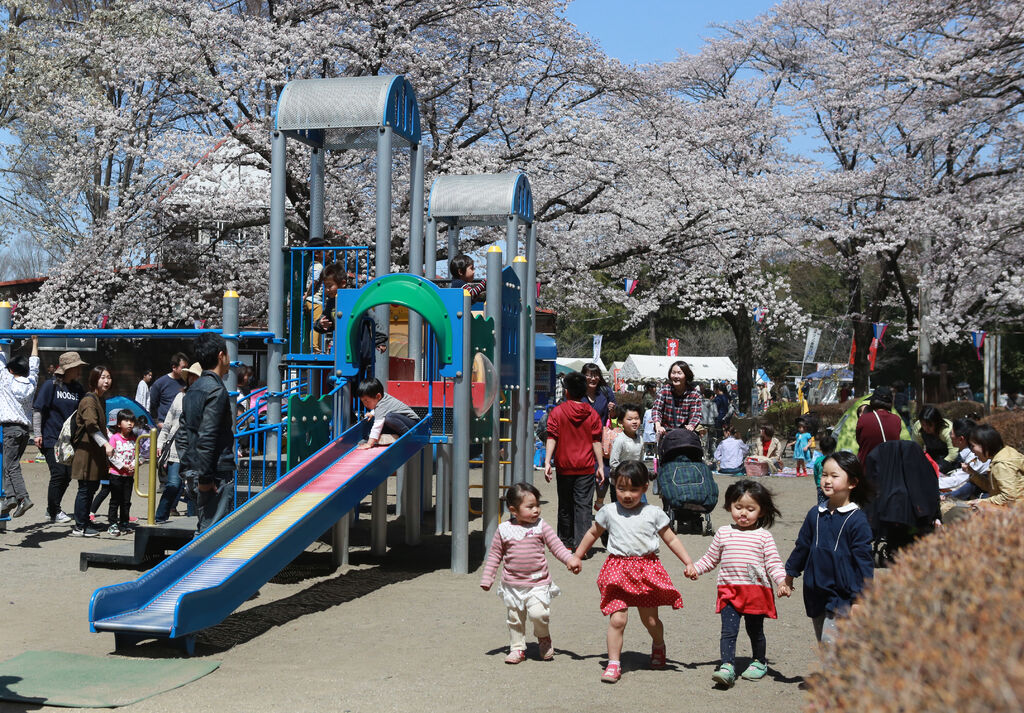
{"points": [[653, 30]]}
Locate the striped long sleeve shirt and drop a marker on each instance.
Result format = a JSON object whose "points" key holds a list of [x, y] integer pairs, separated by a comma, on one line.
{"points": [[521, 550], [748, 561]]}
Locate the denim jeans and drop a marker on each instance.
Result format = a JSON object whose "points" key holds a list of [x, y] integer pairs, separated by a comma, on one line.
{"points": [[172, 489], [86, 489], [967, 491], [213, 505], [15, 442]]}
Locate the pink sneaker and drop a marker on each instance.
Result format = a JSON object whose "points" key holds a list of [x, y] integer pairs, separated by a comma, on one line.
{"points": [[612, 673], [515, 656], [547, 649], [657, 657]]}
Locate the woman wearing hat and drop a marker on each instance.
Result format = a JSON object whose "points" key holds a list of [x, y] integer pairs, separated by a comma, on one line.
{"points": [[172, 488], [56, 400], [92, 448]]}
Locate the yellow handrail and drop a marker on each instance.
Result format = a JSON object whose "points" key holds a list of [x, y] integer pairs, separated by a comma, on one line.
{"points": [[481, 512], [150, 495]]}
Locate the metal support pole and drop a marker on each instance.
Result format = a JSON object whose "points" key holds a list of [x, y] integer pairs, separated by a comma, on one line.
{"points": [[275, 319], [430, 253], [529, 340], [230, 329], [413, 513], [441, 511], [316, 195], [382, 265], [522, 464], [492, 450], [453, 241], [416, 257], [462, 409], [511, 239], [341, 423], [6, 314]]}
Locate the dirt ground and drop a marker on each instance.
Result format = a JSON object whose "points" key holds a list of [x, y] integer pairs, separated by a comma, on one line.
{"points": [[401, 633]]}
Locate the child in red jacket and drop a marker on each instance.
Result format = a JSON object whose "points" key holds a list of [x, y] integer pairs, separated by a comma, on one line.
{"points": [[574, 446]]}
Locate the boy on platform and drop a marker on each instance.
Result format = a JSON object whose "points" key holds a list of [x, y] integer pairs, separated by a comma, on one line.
{"points": [[391, 417], [463, 272]]}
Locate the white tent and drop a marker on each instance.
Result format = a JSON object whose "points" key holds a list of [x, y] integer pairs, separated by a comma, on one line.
{"points": [[571, 364], [644, 366]]}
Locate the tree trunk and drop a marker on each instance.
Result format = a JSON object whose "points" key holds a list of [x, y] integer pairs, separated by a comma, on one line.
{"points": [[740, 324], [861, 337], [651, 334]]}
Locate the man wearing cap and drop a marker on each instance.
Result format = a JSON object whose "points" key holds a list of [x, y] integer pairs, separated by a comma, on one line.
{"points": [[878, 423], [206, 440], [55, 401]]}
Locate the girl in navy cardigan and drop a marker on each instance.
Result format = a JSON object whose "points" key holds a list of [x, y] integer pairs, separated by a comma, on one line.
{"points": [[833, 549]]}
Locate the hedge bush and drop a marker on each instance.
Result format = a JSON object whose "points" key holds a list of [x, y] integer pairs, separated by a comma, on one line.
{"points": [[1010, 425], [940, 631]]}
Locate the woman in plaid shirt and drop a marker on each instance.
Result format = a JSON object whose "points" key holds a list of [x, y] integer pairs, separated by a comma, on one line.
{"points": [[678, 403]]}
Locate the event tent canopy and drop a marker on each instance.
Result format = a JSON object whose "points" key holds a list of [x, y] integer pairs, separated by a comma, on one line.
{"points": [[643, 366], [566, 364]]}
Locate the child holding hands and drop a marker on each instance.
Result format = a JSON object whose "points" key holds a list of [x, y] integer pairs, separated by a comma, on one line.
{"points": [[526, 585], [749, 562], [632, 575]]}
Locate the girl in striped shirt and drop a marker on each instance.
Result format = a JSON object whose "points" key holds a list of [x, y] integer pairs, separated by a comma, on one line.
{"points": [[749, 562], [526, 586]]}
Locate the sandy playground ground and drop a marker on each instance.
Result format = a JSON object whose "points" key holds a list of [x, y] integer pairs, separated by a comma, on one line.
{"points": [[402, 633]]}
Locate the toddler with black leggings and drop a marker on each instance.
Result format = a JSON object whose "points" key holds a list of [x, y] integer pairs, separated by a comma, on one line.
{"points": [[748, 561]]}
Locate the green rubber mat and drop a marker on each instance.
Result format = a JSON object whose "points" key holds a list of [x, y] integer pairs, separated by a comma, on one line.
{"points": [[55, 678]]}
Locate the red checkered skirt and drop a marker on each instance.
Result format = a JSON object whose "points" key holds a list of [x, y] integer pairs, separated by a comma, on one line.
{"points": [[636, 582]]}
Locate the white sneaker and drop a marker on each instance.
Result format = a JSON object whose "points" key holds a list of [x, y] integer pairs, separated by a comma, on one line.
{"points": [[61, 518]]}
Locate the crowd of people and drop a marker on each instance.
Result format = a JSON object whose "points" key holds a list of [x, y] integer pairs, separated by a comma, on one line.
{"points": [[81, 441]]}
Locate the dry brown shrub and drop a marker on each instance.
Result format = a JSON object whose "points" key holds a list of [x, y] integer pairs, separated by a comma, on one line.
{"points": [[942, 630], [960, 409], [1010, 425]]}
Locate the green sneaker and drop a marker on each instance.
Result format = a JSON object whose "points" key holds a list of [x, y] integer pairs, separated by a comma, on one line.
{"points": [[755, 671], [725, 675]]}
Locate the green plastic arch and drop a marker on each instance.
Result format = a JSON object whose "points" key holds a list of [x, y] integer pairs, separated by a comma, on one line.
{"points": [[409, 291]]}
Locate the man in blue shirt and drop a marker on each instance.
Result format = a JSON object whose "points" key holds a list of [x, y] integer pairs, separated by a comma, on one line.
{"points": [[164, 389]]}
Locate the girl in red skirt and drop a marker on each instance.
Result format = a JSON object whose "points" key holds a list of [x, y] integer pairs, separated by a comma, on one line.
{"points": [[632, 575]]}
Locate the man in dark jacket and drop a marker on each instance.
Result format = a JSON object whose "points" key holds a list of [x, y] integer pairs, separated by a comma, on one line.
{"points": [[206, 439]]}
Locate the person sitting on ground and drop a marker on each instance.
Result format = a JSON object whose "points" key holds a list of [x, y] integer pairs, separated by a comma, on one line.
{"points": [[1006, 471], [463, 272], [391, 417], [769, 448], [17, 387], [878, 423], [965, 482], [731, 453], [935, 434]]}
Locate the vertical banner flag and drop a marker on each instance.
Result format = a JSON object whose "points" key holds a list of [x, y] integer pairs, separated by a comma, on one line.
{"points": [[978, 338], [101, 321], [538, 290], [878, 328], [630, 286], [759, 314], [811, 345], [853, 350], [873, 353], [597, 347], [673, 347], [198, 323]]}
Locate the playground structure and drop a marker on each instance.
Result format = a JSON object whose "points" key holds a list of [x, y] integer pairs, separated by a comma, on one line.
{"points": [[301, 475]]}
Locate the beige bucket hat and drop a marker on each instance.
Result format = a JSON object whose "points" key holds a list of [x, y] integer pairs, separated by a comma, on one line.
{"points": [[68, 360]]}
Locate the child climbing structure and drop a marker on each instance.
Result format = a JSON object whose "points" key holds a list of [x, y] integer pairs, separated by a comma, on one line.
{"points": [[324, 476]]}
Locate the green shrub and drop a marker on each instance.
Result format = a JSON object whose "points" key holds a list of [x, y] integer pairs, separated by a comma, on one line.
{"points": [[940, 631]]}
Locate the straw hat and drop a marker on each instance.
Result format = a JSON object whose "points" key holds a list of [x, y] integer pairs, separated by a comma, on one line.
{"points": [[194, 369], [68, 360]]}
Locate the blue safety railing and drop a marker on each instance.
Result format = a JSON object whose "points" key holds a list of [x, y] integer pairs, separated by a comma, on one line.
{"points": [[307, 296], [3, 518]]}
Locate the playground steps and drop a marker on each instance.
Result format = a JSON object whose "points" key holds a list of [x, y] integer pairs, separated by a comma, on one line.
{"points": [[150, 542]]}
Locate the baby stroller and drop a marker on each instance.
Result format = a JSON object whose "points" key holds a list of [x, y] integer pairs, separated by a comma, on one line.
{"points": [[686, 485], [906, 502]]}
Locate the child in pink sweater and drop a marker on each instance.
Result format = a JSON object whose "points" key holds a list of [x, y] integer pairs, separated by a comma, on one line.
{"points": [[526, 585]]}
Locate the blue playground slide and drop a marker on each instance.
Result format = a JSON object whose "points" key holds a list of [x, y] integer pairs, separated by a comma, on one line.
{"points": [[200, 584]]}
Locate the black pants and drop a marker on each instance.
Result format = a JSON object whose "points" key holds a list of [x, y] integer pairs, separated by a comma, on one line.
{"points": [[86, 489], [60, 478], [120, 499], [575, 507], [397, 424], [102, 494], [731, 629]]}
